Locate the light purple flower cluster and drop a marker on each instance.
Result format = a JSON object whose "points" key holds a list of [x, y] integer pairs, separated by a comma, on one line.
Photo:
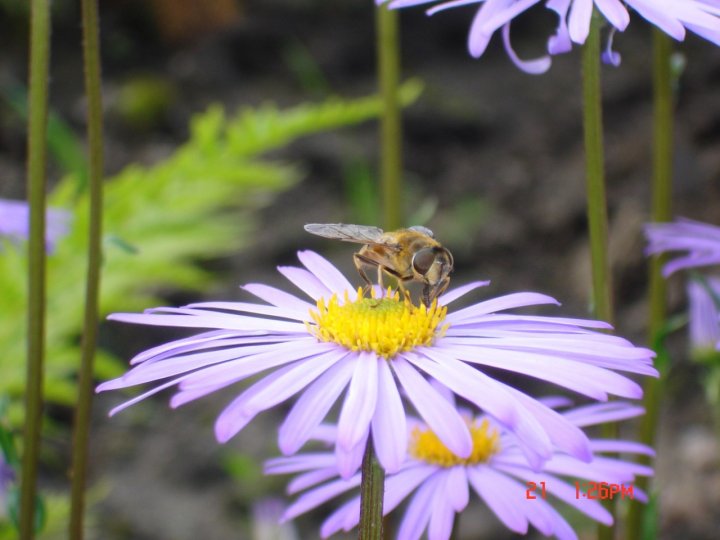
{"points": [[375, 355], [439, 485], [699, 247], [15, 222], [673, 17]]}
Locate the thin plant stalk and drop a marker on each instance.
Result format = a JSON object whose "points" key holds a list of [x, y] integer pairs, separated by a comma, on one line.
{"points": [[595, 175], [91, 58], [596, 198], [388, 51], [372, 491], [663, 120], [372, 487], [36, 180]]}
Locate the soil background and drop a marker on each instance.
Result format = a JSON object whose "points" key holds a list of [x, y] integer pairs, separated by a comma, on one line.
{"points": [[495, 152]]}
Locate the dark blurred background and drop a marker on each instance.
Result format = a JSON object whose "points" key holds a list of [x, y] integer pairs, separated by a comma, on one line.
{"points": [[493, 164]]}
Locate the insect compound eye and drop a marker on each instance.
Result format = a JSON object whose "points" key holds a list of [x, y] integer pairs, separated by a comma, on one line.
{"points": [[423, 260]]}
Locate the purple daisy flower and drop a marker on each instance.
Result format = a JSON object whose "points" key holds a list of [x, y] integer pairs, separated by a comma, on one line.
{"points": [[15, 222], [673, 17], [374, 348], [438, 483], [704, 315], [700, 240]]}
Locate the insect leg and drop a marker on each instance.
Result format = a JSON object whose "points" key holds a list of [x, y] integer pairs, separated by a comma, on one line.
{"points": [[359, 261], [381, 268], [401, 287]]}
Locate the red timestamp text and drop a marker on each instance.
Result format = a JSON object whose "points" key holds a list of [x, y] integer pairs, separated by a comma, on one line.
{"points": [[603, 491], [585, 490], [532, 488]]}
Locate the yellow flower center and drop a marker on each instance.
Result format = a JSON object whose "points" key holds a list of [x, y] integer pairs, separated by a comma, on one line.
{"points": [[426, 446], [386, 325]]}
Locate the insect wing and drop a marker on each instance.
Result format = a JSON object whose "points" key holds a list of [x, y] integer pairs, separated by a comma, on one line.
{"points": [[362, 234], [423, 230]]}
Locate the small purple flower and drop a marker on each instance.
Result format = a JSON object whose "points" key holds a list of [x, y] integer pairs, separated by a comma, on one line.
{"points": [[673, 17], [700, 241], [704, 315], [266, 521], [372, 349], [7, 474], [7, 477], [438, 483], [15, 222]]}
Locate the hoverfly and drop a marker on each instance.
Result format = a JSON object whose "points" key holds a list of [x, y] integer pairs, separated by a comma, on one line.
{"points": [[410, 254]]}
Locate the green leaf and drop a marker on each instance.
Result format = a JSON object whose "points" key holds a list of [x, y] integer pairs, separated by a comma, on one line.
{"points": [[160, 221]]}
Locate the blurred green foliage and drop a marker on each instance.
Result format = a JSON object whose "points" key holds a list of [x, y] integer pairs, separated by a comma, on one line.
{"points": [[52, 509], [302, 64], [244, 469], [650, 518], [364, 203], [199, 203], [64, 147], [14, 8], [53, 515], [144, 101], [361, 192]]}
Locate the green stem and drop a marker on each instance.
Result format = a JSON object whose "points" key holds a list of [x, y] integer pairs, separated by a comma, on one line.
{"points": [[388, 50], [661, 211], [36, 178], [91, 56], [595, 174], [597, 200], [372, 491]]}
